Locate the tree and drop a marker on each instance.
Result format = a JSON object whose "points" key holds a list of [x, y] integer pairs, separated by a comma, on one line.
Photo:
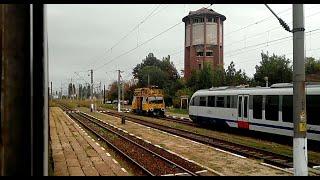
{"points": [[276, 68], [234, 77], [312, 66], [162, 73], [219, 76], [205, 77]]}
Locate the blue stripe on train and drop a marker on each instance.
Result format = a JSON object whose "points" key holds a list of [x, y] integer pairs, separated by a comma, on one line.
{"points": [[218, 120]]}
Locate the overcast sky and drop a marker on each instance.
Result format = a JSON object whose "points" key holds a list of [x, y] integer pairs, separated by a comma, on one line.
{"points": [[81, 36]]}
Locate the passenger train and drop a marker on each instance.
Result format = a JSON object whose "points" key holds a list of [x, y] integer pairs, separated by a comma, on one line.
{"points": [[264, 109]]}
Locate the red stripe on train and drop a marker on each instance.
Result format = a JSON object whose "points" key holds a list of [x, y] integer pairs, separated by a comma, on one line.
{"points": [[243, 124]]}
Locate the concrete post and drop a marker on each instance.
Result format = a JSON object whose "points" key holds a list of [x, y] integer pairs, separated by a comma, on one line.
{"points": [[300, 158]]}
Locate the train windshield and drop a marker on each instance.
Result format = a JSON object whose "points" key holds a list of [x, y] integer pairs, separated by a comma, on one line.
{"points": [[155, 100]]}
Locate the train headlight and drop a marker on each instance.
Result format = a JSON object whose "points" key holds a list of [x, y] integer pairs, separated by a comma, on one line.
{"points": [[162, 109], [151, 109]]}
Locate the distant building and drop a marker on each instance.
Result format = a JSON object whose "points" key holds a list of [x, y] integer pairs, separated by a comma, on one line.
{"points": [[203, 39]]}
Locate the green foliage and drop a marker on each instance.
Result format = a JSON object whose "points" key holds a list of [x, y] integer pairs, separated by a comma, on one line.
{"points": [[219, 76], [234, 77], [312, 66], [276, 68], [161, 73], [205, 77]]}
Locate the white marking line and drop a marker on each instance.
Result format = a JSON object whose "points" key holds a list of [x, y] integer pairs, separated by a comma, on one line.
{"points": [[275, 167], [115, 161], [179, 174], [124, 170], [147, 141], [157, 146], [198, 172], [97, 144], [316, 167], [131, 134], [89, 136], [93, 140], [108, 154], [237, 155], [103, 148]]}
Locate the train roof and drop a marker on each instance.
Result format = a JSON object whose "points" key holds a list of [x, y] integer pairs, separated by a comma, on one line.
{"points": [[276, 89]]}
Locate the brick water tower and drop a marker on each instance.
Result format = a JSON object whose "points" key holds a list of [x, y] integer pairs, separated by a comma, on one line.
{"points": [[203, 40]]}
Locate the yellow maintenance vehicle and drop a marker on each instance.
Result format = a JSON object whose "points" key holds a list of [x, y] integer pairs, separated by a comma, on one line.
{"points": [[148, 101]]}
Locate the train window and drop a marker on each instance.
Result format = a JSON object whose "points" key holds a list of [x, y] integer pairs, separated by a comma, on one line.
{"points": [[228, 104], [245, 108], [211, 101], [287, 107], [257, 107], [220, 101], [196, 101], [203, 101], [272, 107], [234, 101], [313, 107], [240, 106]]}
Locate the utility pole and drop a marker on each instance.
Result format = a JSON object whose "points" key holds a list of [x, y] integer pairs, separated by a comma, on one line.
{"points": [[104, 94], [91, 91], [122, 93], [148, 80], [119, 76], [300, 158]]}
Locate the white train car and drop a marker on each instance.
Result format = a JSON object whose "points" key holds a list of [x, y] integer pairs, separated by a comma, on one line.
{"points": [[265, 109]]}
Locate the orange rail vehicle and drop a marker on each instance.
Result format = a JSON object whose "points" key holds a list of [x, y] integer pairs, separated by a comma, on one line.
{"points": [[148, 101]]}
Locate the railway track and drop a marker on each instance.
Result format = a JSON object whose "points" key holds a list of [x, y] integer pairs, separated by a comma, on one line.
{"points": [[142, 154], [268, 157]]}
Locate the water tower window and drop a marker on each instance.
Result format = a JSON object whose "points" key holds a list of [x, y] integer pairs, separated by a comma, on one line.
{"points": [[208, 53], [195, 20], [199, 53], [210, 19], [201, 20]]}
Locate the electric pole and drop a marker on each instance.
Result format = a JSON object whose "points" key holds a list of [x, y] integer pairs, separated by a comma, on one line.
{"points": [[119, 93], [122, 93], [104, 94], [300, 158], [91, 91]]}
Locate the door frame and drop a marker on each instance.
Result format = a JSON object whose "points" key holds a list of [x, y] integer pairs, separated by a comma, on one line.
{"points": [[243, 122]]}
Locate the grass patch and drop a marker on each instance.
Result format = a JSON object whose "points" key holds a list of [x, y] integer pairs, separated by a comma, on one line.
{"points": [[177, 111]]}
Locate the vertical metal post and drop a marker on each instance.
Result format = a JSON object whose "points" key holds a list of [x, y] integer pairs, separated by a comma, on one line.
{"points": [[300, 158], [91, 91], [122, 93], [119, 108], [148, 80], [104, 94]]}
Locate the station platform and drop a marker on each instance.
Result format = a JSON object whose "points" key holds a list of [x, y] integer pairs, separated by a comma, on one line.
{"points": [[75, 153]]}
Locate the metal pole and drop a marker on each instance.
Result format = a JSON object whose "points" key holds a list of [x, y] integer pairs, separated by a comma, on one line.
{"points": [[104, 94], [122, 93], [91, 91], [300, 158], [119, 109]]}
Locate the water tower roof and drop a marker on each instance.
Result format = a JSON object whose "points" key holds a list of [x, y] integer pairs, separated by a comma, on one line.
{"points": [[202, 12]]}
